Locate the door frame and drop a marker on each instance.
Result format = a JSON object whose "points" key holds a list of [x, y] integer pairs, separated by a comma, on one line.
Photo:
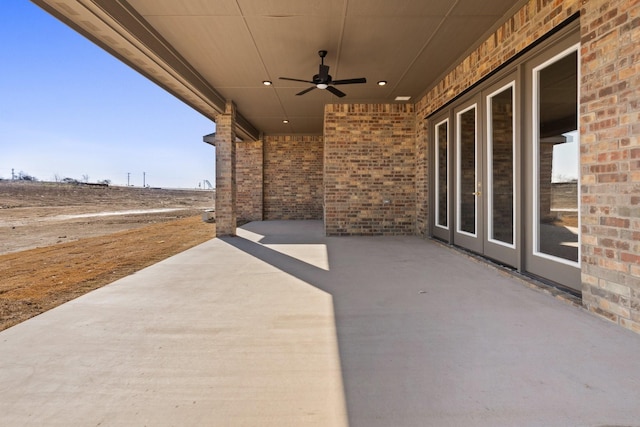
{"points": [[509, 254], [437, 230]]}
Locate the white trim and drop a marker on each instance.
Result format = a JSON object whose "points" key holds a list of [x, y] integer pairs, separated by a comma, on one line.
{"points": [[536, 157], [489, 186], [458, 170], [437, 174]]}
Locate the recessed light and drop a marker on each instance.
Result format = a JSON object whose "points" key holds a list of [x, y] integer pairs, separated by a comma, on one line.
{"points": [[267, 83], [382, 82], [403, 98], [285, 121]]}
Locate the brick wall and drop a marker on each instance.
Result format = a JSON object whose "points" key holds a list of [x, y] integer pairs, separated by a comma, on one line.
{"points": [[369, 169], [610, 160], [293, 177], [249, 181]]}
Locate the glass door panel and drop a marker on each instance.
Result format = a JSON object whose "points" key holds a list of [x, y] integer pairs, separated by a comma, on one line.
{"points": [[467, 171], [442, 174], [501, 165], [468, 166], [557, 155]]}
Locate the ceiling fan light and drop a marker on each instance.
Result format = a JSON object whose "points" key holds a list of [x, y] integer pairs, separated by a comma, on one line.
{"points": [[322, 85]]}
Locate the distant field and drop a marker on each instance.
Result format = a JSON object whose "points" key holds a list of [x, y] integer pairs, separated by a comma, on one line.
{"points": [[16, 194], [41, 214], [59, 241]]}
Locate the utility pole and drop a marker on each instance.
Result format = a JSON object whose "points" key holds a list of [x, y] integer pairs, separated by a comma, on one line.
{"points": [[128, 176], [144, 179]]}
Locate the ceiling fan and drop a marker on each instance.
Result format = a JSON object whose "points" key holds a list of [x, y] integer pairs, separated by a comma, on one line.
{"points": [[323, 79]]}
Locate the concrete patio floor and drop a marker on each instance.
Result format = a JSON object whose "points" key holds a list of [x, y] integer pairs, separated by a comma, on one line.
{"points": [[282, 326]]}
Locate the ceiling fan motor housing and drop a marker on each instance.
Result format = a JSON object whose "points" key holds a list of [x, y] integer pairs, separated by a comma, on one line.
{"points": [[318, 80], [323, 79]]}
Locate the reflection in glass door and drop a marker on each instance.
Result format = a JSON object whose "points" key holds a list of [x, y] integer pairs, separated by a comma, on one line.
{"points": [[502, 212], [556, 153], [442, 174], [501, 165], [466, 169]]}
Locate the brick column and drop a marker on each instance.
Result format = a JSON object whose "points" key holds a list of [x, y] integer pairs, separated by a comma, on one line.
{"points": [[545, 170], [226, 172]]}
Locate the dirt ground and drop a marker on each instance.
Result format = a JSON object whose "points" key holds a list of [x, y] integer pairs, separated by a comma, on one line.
{"points": [[59, 241]]}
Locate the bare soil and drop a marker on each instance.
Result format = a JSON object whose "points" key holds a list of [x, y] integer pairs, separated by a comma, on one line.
{"points": [[60, 241]]}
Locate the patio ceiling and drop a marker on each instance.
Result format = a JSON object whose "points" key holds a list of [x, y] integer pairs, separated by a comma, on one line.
{"points": [[207, 52]]}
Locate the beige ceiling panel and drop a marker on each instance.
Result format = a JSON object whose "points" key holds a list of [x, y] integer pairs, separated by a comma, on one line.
{"points": [[292, 7], [454, 38], [289, 46], [383, 48], [185, 8], [406, 8], [495, 8], [273, 125], [257, 101], [219, 48]]}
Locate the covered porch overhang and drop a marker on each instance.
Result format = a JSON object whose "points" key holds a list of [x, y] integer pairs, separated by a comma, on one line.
{"points": [[212, 55]]}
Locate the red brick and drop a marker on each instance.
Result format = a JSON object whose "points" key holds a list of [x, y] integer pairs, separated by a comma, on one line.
{"points": [[293, 177]]}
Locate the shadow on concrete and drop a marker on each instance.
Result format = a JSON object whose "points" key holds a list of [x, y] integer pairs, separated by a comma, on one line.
{"points": [[430, 337]]}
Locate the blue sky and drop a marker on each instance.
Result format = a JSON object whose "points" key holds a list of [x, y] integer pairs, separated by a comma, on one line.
{"points": [[70, 109]]}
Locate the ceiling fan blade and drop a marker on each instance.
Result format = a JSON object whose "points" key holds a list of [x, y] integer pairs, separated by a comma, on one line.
{"points": [[296, 80], [335, 91], [323, 74], [349, 81], [306, 90]]}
